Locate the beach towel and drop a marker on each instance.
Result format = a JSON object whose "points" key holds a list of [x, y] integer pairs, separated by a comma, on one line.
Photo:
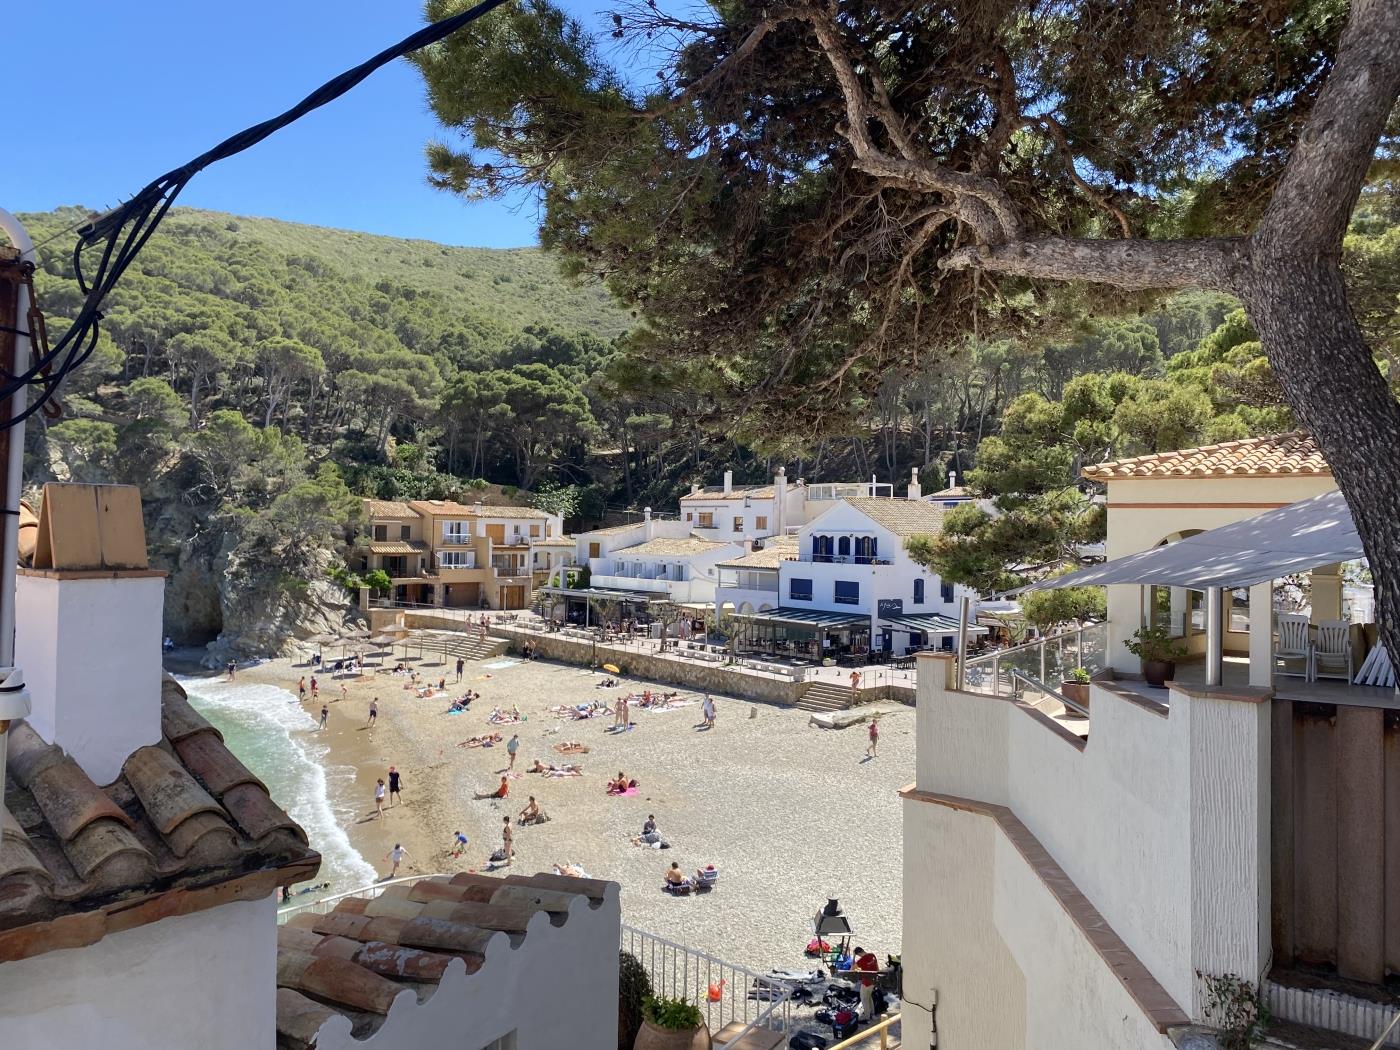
{"points": [[563, 772], [630, 791]]}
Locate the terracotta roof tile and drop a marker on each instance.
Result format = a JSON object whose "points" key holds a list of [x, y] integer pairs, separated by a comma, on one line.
{"points": [[78, 861], [1294, 453], [903, 517], [398, 547], [668, 547], [407, 938], [776, 549], [388, 508]]}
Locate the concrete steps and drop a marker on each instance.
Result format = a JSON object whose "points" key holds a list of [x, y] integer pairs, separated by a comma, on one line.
{"points": [[465, 646], [824, 696], [756, 1039]]}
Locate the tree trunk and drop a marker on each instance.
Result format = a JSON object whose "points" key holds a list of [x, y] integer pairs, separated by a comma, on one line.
{"points": [[1300, 310]]}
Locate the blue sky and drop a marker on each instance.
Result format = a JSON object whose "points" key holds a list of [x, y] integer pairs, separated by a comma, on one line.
{"points": [[119, 98]]}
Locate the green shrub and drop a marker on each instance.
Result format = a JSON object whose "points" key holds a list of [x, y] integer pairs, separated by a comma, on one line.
{"points": [[675, 1015], [633, 991]]}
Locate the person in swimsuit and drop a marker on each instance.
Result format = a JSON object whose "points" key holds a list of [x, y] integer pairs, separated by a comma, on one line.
{"points": [[373, 712], [460, 664], [301, 688], [325, 716], [872, 749], [674, 875], [394, 783], [532, 814], [378, 799], [507, 840], [315, 688], [512, 746]]}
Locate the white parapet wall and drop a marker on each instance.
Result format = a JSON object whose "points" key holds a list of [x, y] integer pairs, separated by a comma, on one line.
{"points": [[89, 646], [556, 986], [206, 981], [1159, 822]]}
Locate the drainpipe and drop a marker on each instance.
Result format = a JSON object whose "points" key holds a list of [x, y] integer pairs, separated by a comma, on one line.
{"points": [[1215, 637], [14, 698]]}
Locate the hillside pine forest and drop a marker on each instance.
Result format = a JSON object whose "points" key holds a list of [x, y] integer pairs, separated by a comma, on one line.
{"points": [[255, 378]]}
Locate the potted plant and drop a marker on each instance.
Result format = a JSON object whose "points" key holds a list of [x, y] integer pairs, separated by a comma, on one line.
{"points": [[1158, 653], [1076, 686], [633, 990], [672, 1024]]}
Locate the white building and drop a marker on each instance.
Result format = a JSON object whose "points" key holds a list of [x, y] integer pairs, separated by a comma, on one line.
{"points": [[681, 570], [852, 585], [749, 583], [750, 512]]}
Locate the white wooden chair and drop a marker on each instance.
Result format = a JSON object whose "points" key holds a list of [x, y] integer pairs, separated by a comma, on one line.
{"points": [[1293, 644], [1333, 650]]}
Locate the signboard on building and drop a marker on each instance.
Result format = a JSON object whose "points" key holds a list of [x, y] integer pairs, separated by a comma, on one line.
{"points": [[890, 607]]}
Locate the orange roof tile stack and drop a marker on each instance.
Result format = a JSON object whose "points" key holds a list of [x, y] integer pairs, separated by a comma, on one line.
{"points": [[1291, 454], [185, 827]]}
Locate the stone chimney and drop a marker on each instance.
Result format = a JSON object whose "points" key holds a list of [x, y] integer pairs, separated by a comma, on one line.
{"points": [[694, 487], [728, 482], [915, 490], [88, 627]]}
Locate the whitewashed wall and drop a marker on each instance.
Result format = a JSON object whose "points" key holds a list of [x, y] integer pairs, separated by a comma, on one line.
{"points": [[206, 980], [90, 652], [557, 989], [1162, 822]]}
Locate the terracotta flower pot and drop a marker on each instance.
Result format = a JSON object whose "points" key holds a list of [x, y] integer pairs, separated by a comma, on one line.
{"points": [[650, 1037], [1158, 672], [1076, 691]]}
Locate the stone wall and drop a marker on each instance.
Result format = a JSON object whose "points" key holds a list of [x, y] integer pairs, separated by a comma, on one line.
{"points": [[690, 674]]}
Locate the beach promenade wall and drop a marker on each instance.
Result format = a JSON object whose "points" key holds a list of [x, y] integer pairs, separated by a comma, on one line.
{"points": [[658, 667]]}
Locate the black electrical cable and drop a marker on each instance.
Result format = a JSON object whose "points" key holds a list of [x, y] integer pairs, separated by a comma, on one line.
{"points": [[131, 224]]}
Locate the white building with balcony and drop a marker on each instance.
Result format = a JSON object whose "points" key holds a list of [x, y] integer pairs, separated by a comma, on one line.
{"points": [[683, 569], [749, 583], [852, 587], [751, 512]]}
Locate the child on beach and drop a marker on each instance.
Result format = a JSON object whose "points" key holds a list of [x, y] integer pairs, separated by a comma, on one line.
{"points": [[459, 844], [378, 799], [396, 855]]}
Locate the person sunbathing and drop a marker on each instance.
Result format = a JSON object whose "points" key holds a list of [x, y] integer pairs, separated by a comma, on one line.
{"points": [[569, 870], [501, 792], [674, 876], [485, 740], [532, 814], [621, 785], [566, 769]]}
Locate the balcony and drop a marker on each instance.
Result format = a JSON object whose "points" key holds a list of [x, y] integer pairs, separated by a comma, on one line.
{"points": [[843, 559], [632, 583], [462, 539], [457, 560]]}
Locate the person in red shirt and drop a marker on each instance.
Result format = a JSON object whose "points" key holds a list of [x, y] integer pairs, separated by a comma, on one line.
{"points": [[866, 961]]}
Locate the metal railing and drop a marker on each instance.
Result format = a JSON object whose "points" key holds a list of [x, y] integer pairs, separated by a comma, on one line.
{"points": [[1047, 693], [724, 992], [324, 905], [1048, 659], [865, 1035]]}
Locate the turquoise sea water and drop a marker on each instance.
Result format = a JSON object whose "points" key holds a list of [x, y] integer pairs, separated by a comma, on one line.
{"points": [[267, 729]]}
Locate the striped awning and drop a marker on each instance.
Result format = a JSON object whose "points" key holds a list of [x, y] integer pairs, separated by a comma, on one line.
{"points": [[931, 623], [805, 617]]}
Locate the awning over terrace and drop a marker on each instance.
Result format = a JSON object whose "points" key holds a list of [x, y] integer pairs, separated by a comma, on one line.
{"points": [[805, 617], [605, 594], [1295, 538], [930, 623]]}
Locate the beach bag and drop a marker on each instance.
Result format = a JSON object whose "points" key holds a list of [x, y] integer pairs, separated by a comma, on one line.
{"points": [[498, 856], [807, 1041]]}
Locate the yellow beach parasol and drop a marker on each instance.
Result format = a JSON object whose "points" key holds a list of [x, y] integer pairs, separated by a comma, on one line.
{"points": [[612, 668]]}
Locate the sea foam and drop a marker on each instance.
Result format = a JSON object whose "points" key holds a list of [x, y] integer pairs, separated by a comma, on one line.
{"points": [[266, 728]]}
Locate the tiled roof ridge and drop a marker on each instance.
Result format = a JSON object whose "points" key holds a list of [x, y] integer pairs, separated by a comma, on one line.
{"points": [[347, 968], [184, 812], [1293, 452]]}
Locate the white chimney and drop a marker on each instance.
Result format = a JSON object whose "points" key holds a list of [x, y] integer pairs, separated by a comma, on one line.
{"points": [[694, 487], [649, 527], [874, 481], [728, 482], [779, 522], [88, 627], [915, 490], [952, 479]]}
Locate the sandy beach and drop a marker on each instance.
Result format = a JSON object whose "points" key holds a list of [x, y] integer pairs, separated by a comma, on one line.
{"points": [[788, 813]]}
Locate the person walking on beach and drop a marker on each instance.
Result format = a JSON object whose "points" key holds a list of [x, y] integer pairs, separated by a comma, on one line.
{"points": [[378, 799], [325, 716], [231, 669], [301, 688], [508, 840], [512, 746], [855, 686], [315, 688], [394, 783], [872, 749], [460, 664], [373, 713], [396, 856], [707, 708]]}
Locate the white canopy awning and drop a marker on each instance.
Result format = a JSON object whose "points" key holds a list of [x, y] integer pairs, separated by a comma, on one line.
{"points": [[1295, 538]]}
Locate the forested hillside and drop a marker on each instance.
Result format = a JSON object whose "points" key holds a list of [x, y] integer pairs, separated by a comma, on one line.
{"points": [[255, 377]]}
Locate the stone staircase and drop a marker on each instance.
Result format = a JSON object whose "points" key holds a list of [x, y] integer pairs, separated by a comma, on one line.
{"points": [[463, 646], [825, 696]]}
